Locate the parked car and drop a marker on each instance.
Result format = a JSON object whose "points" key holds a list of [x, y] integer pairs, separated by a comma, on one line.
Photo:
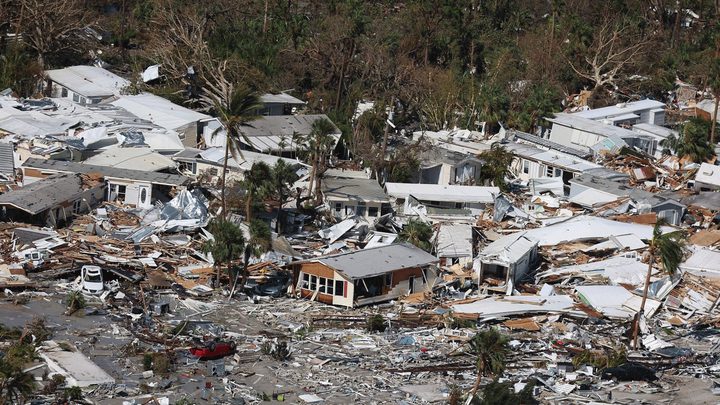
{"points": [[91, 279]]}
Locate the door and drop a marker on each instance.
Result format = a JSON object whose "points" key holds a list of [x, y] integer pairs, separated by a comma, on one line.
{"points": [[143, 197]]}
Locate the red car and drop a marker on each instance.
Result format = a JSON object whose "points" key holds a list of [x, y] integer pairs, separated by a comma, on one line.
{"points": [[213, 350]]}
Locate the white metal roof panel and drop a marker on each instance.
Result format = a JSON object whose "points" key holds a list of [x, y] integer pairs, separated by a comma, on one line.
{"points": [[89, 81], [439, 192]]}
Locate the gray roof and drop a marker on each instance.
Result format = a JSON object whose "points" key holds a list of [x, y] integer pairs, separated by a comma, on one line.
{"points": [[267, 132], [44, 194], [620, 109], [7, 161], [434, 156], [509, 249], [354, 189], [378, 260], [620, 190], [27, 235], [704, 199], [546, 143], [593, 127], [107, 172], [280, 98]]}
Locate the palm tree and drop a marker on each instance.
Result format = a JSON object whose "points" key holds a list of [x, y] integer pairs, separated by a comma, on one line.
{"points": [[256, 183], [227, 244], [318, 144], [260, 242], [692, 142], [668, 247], [496, 165], [418, 233], [15, 385], [490, 347], [234, 105], [282, 177]]}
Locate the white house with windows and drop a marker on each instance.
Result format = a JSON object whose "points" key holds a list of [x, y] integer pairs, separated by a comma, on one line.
{"points": [[126, 186], [353, 196], [531, 163], [83, 84]]}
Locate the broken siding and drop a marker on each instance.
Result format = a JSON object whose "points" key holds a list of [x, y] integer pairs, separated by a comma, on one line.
{"points": [[7, 159]]}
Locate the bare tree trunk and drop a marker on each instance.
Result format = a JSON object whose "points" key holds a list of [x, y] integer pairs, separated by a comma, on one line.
{"points": [[386, 133], [473, 391], [280, 212], [636, 324], [714, 120], [343, 70], [248, 206], [312, 175], [265, 17], [224, 172], [676, 27], [217, 275]]}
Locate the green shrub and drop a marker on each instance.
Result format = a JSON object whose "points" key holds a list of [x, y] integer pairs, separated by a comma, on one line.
{"points": [[376, 323]]}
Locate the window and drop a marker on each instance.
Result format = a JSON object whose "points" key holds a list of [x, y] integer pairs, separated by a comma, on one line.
{"points": [[323, 285], [373, 212], [329, 286], [76, 98], [188, 167], [338, 207], [117, 192], [213, 171], [526, 166], [339, 288], [361, 209], [63, 92], [549, 171], [388, 279], [76, 206]]}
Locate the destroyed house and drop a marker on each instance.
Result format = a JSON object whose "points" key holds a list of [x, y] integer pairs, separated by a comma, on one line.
{"points": [[351, 196], [126, 186], [52, 201], [531, 162], [7, 163], [454, 243], [591, 192], [707, 177], [84, 84], [189, 124], [578, 132], [440, 199], [545, 144], [194, 162], [279, 104], [365, 276], [443, 166], [508, 259], [275, 134], [634, 112]]}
